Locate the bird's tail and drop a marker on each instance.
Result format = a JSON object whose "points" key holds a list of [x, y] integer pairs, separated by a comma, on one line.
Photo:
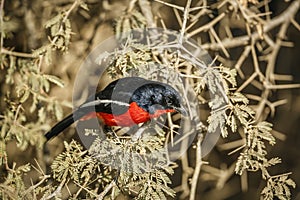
{"points": [[60, 126]]}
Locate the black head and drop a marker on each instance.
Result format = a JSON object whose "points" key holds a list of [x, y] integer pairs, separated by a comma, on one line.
{"points": [[155, 96]]}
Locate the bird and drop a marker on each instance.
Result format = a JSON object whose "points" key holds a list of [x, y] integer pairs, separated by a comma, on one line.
{"points": [[125, 102]]}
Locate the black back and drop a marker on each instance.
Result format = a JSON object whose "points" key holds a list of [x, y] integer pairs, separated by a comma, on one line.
{"points": [[116, 97]]}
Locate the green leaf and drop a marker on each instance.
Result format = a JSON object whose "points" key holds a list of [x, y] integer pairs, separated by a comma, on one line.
{"points": [[54, 80], [58, 111], [273, 161], [53, 21], [238, 97], [290, 182]]}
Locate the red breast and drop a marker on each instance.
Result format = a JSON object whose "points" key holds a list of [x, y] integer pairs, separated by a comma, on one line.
{"points": [[134, 115]]}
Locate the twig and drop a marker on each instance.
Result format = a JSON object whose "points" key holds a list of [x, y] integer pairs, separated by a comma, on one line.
{"points": [[224, 175], [280, 175], [249, 80], [170, 5], [57, 191], [244, 181], [147, 12], [172, 126], [17, 54], [68, 12], [8, 191], [256, 63], [185, 19], [243, 40], [239, 148], [201, 12], [82, 186], [137, 135], [199, 163], [231, 145], [270, 69], [261, 105], [31, 188], [106, 190], [283, 86], [273, 56], [297, 26], [207, 26], [282, 77], [1, 24], [279, 135], [85, 189], [131, 5], [271, 105], [187, 171], [215, 35], [178, 17], [241, 60]]}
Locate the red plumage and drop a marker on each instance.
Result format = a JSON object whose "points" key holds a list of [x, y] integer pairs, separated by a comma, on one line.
{"points": [[125, 102], [134, 115]]}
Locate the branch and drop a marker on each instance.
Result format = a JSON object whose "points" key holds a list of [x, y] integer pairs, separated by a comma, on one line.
{"points": [[17, 54], [207, 26], [33, 187], [287, 15], [1, 24], [171, 5], [196, 174], [106, 190], [185, 19], [147, 11], [56, 192]]}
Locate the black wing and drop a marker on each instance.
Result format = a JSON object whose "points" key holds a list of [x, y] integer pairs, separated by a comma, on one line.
{"points": [[115, 98]]}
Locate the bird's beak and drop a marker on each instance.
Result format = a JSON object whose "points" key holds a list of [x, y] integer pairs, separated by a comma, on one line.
{"points": [[182, 110]]}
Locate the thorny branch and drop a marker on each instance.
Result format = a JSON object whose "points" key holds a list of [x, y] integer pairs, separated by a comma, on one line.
{"points": [[1, 24], [196, 173], [185, 20], [287, 15], [106, 190], [266, 80], [146, 10], [56, 192]]}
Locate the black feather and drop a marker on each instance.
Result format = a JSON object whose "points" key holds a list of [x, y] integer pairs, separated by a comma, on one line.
{"points": [[59, 127], [117, 96]]}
